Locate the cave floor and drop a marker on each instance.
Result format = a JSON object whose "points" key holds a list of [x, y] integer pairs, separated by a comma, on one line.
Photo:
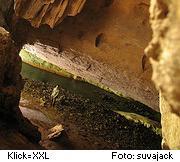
{"points": [[12, 139], [87, 124]]}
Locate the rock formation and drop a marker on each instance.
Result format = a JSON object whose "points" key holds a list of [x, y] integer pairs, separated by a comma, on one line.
{"points": [[10, 88], [50, 12], [164, 52]]}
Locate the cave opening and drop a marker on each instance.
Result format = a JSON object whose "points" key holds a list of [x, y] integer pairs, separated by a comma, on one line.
{"points": [[97, 67], [85, 82]]}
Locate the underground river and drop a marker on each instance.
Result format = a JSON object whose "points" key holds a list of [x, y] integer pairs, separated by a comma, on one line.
{"points": [[92, 118]]}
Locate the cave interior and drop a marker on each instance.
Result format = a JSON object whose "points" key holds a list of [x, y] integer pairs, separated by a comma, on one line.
{"points": [[75, 74]]}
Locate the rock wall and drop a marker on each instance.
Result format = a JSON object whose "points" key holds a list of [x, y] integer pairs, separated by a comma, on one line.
{"points": [[10, 89], [164, 51], [10, 79]]}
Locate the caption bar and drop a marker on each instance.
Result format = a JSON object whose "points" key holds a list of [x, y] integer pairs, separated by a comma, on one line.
{"points": [[89, 156]]}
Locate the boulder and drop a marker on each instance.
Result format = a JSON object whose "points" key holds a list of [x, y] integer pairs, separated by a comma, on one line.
{"points": [[164, 51]]}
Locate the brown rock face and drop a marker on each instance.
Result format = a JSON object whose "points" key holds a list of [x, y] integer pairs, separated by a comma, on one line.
{"points": [[10, 67], [164, 49], [11, 86], [50, 12]]}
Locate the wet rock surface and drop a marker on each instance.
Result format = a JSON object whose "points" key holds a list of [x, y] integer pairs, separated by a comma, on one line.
{"points": [[88, 124]]}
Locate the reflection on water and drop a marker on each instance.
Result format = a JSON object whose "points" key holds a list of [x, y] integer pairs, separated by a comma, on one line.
{"points": [[74, 86], [96, 94]]}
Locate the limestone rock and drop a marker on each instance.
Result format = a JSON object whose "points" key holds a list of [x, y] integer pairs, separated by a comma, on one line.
{"points": [[55, 131], [11, 86], [164, 50], [50, 12]]}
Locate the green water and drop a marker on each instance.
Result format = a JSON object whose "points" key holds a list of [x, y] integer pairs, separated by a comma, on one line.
{"points": [[74, 86], [96, 94]]}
